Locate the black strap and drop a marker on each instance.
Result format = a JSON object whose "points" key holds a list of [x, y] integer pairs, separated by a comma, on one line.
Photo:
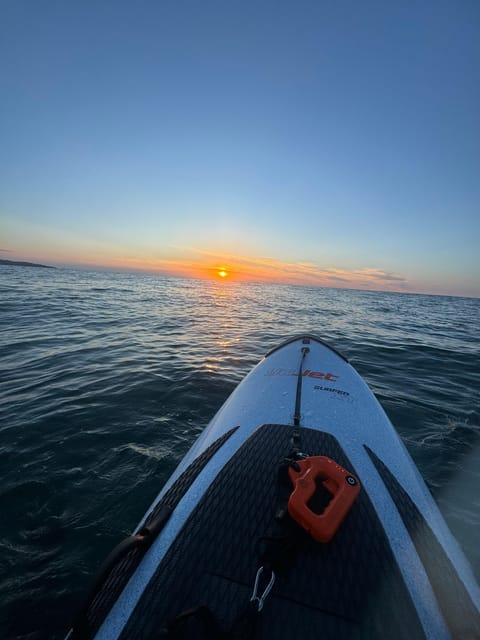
{"points": [[141, 541], [278, 549], [298, 400]]}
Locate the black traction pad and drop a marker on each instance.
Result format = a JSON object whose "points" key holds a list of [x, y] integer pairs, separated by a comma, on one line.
{"points": [[350, 588]]}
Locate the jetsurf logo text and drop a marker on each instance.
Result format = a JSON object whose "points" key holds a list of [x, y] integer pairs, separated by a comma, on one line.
{"points": [[331, 377]]}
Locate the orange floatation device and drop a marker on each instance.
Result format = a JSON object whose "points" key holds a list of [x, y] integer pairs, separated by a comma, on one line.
{"points": [[341, 484]]}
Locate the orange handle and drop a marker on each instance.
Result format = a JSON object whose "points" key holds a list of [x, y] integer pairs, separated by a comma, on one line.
{"points": [[340, 483]]}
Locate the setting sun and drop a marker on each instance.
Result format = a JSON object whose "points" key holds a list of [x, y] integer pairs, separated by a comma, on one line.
{"points": [[222, 273]]}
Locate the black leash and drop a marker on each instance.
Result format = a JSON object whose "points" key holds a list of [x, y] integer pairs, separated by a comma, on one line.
{"points": [[298, 402]]}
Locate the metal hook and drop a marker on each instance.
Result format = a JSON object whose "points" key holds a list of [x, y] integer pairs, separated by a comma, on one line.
{"points": [[261, 599]]}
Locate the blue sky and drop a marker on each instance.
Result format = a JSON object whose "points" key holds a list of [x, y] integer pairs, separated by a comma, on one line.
{"points": [[341, 135]]}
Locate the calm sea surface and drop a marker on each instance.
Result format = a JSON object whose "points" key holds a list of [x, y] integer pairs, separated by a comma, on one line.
{"points": [[107, 379]]}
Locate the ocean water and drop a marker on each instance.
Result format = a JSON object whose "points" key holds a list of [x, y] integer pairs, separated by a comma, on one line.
{"points": [[107, 379]]}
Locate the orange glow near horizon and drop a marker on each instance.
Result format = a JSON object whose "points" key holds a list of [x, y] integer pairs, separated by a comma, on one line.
{"points": [[198, 263]]}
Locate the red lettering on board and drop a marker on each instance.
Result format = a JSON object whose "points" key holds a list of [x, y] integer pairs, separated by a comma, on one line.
{"points": [[318, 374]]}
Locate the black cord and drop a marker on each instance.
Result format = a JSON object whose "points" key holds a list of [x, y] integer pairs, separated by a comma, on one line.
{"points": [[298, 401]]}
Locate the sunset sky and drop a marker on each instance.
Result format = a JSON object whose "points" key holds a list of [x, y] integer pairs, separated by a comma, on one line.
{"points": [[322, 143]]}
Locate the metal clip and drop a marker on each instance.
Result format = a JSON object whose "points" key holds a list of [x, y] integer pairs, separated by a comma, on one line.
{"points": [[261, 599]]}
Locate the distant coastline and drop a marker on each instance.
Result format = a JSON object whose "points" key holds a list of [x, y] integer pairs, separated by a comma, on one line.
{"points": [[21, 263]]}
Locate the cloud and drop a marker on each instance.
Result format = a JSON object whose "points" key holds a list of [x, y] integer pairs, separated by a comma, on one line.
{"points": [[381, 275]]}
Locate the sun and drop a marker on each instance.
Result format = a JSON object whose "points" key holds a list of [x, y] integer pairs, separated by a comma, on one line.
{"points": [[222, 273]]}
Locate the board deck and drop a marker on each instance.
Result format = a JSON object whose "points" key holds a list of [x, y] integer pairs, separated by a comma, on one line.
{"points": [[392, 570]]}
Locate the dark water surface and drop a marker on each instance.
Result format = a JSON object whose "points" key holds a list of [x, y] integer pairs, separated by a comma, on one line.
{"points": [[106, 380]]}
